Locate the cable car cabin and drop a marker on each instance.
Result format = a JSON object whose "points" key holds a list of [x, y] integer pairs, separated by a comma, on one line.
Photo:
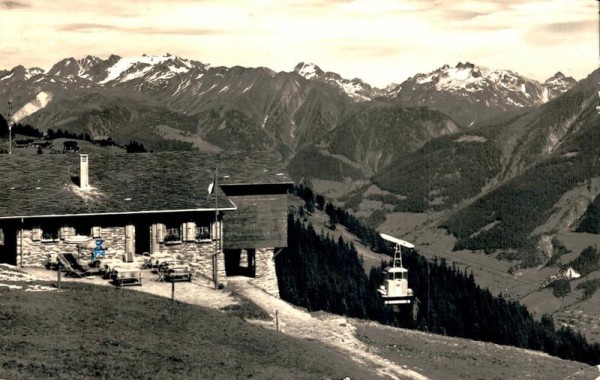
{"points": [[395, 290]]}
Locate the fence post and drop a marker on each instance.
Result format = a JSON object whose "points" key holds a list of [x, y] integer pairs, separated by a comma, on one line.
{"points": [[172, 290], [58, 274]]}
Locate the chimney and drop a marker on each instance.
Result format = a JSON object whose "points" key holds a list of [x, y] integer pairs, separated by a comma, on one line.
{"points": [[84, 182]]}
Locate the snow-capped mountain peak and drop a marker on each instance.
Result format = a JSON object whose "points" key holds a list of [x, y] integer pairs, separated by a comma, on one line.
{"points": [[486, 91], [21, 73], [308, 70], [558, 83], [116, 69], [134, 67], [355, 88]]}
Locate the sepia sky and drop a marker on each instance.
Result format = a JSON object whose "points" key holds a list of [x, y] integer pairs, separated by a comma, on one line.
{"points": [[379, 41]]}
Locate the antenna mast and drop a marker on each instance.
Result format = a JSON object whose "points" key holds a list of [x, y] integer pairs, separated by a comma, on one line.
{"points": [[9, 125], [397, 257]]}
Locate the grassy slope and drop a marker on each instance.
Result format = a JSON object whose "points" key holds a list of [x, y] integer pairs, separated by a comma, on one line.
{"points": [[90, 332], [441, 357]]}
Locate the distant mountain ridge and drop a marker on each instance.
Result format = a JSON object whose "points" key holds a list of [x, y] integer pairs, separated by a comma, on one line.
{"points": [[471, 94], [355, 88], [495, 88], [257, 108]]}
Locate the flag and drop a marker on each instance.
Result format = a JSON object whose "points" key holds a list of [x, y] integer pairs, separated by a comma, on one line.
{"points": [[211, 187]]}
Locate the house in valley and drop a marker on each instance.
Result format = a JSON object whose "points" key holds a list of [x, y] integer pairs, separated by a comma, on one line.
{"points": [[154, 203]]}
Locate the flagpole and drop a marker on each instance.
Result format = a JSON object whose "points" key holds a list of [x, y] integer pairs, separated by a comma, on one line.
{"points": [[216, 274]]}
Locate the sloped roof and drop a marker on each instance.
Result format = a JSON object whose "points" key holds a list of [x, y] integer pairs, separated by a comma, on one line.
{"points": [[44, 185]]}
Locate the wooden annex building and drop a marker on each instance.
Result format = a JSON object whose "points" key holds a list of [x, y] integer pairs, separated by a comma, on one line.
{"points": [[147, 203]]}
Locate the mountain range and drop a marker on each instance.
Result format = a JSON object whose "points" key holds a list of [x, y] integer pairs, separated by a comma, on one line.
{"points": [[448, 139], [285, 112]]}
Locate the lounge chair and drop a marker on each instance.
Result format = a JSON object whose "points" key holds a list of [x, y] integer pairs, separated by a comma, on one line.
{"points": [[66, 264], [75, 262]]}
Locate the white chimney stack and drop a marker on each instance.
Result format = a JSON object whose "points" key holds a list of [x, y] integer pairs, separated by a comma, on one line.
{"points": [[84, 182]]}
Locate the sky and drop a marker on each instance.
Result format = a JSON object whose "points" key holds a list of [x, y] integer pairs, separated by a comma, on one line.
{"points": [[379, 41]]}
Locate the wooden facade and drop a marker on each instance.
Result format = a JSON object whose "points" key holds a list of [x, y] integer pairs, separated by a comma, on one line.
{"points": [[257, 222]]}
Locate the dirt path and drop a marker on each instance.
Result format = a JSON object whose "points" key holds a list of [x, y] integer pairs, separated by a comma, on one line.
{"points": [[329, 329]]}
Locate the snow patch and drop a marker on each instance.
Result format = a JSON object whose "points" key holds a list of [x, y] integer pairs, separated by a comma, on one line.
{"points": [[32, 72], [90, 194], [570, 154], [510, 101], [352, 89], [545, 94], [426, 79], [181, 86], [40, 288], [12, 287], [570, 273], [41, 100], [179, 70], [124, 64], [247, 88], [308, 70], [458, 78], [135, 74], [264, 123], [471, 138], [12, 273]]}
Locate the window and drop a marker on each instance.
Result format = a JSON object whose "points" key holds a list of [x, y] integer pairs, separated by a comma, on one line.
{"points": [[49, 236], [66, 232], [172, 236], [202, 234]]}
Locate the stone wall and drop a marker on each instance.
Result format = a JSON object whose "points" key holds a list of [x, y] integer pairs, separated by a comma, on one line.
{"points": [[114, 239], [265, 276], [35, 250], [199, 254]]}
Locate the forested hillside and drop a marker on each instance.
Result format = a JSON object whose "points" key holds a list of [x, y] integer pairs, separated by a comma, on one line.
{"points": [[378, 133], [590, 222], [441, 174], [527, 201], [322, 274]]}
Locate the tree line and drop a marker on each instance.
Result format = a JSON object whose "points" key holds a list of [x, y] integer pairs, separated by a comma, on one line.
{"points": [[27, 130]]}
